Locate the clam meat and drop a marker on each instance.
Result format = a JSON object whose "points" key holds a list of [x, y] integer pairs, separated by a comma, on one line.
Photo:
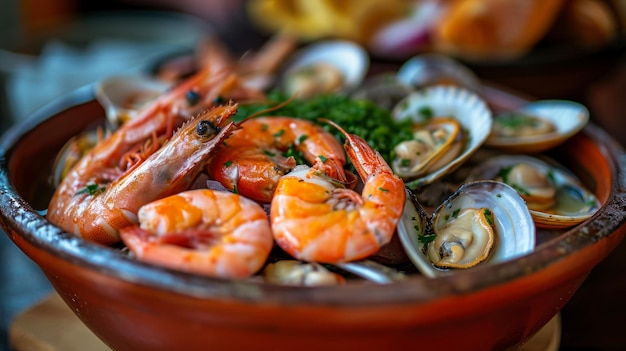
{"points": [[433, 146], [537, 126], [482, 222], [555, 197]]}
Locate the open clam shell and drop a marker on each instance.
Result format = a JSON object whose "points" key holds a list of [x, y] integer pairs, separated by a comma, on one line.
{"points": [[384, 89], [514, 227], [123, 96], [525, 131], [436, 69], [571, 204], [325, 67], [452, 103]]}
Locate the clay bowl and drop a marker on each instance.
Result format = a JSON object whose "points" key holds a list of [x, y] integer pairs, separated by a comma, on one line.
{"points": [[135, 306]]}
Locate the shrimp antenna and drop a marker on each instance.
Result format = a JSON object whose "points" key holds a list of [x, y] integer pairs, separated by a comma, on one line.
{"points": [[278, 106], [332, 123]]}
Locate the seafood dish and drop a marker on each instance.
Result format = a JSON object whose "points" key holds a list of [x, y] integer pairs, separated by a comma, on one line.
{"points": [[322, 175], [216, 208]]}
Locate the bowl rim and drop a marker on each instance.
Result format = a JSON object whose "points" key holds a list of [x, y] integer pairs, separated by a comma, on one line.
{"points": [[34, 229]]}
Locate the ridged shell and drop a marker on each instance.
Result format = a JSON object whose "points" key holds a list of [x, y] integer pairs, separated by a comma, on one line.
{"points": [[515, 228], [569, 188], [467, 108], [568, 118]]}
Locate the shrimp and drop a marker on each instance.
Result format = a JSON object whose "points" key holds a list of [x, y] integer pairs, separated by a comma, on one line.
{"points": [[214, 233], [315, 218], [97, 198], [253, 159]]}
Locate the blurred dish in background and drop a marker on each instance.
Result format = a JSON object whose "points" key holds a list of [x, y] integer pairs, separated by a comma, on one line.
{"points": [[476, 30]]}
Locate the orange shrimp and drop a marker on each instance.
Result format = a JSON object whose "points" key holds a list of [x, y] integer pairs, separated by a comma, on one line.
{"points": [[253, 159], [97, 198], [214, 233], [315, 218]]}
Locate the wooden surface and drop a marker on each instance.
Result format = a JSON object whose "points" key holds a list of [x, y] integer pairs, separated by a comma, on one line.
{"points": [[51, 326]]}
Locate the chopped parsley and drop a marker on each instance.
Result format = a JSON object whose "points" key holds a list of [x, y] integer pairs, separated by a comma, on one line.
{"points": [[504, 173], [91, 189], [455, 213], [516, 120], [323, 158], [488, 216], [228, 163], [426, 112], [521, 190], [383, 190], [279, 133], [426, 238]]}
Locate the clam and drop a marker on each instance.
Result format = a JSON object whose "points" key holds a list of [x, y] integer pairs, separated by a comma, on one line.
{"points": [[482, 222], [72, 151], [325, 67], [556, 198], [123, 96], [537, 126], [293, 272], [450, 124], [436, 69], [384, 89]]}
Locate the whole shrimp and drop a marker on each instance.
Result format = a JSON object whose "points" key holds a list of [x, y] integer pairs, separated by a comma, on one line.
{"points": [[214, 233], [315, 218], [97, 198], [254, 158]]}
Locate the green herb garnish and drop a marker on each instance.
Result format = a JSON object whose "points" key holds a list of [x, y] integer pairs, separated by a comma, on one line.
{"points": [[488, 216], [323, 158], [426, 112], [228, 163], [521, 190], [426, 238], [91, 189]]}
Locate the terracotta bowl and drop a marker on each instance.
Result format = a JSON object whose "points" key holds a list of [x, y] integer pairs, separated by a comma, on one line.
{"points": [[135, 306]]}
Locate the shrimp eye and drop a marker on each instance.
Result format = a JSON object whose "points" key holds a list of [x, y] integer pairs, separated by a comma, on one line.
{"points": [[206, 129]]}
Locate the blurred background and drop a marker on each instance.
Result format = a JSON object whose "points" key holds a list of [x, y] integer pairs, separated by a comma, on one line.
{"points": [[546, 49]]}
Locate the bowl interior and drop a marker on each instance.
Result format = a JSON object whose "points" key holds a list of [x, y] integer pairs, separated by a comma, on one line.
{"points": [[30, 149]]}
